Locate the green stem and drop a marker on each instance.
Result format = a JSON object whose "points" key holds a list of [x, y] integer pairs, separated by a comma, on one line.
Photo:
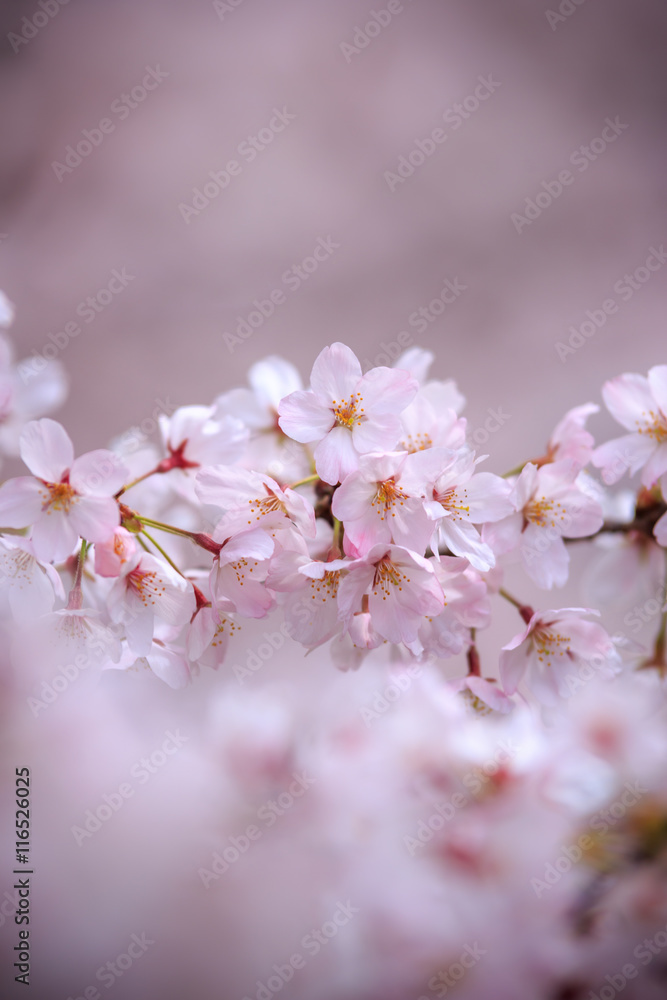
{"points": [[524, 610], [163, 553], [304, 482]]}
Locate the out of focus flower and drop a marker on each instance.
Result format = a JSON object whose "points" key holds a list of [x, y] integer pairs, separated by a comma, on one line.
{"points": [[557, 653]]}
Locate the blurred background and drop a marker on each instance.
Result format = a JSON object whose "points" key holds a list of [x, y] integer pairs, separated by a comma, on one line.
{"points": [[318, 121]]}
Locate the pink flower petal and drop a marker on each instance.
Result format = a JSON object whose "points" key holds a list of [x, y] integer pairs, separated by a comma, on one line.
{"points": [[335, 374], [46, 449]]}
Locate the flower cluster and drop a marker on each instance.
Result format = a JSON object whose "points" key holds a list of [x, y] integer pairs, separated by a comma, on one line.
{"points": [[354, 507]]}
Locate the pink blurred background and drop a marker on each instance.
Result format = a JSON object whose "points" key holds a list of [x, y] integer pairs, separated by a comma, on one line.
{"points": [[322, 178]]}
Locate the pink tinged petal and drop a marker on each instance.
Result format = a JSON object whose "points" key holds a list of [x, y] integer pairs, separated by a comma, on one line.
{"points": [[656, 466], [380, 432], [201, 632], [254, 544], [45, 392], [463, 539], [352, 588], [98, 473], [660, 531], [95, 518], [545, 558], [488, 498], [46, 449], [21, 502], [335, 374], [335, 456], [139, 632], [362, 533], [228, 486], [422, 469], [54, 536], [657, 380], [410, 525], [625, 454], [304, 417], [513, 664], [524, 487], [489, 693], [300, 511], [387, 390], [416, 361], [169, 666], [352, 499], [433, 509], [272, 379], [392, 620], [504, 536], [629, 400]]}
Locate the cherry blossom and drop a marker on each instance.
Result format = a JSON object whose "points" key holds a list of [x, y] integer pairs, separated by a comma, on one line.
{"points": [[457, 498], [376, 508], [148, 588], [466, 606], [557, 652], [549, 506], [112, 556], [639, 404], [251, 499], [239, 572], [68, 498], [401, 589], [193, 437], [570, 440], [31, 586], [346, 413]]}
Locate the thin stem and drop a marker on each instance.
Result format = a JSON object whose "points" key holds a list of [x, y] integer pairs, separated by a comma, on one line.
{"points": [[524, 610], [163, 553], [516, 471], [474, 668], [304, 482], [139, 479], [161, 526]]}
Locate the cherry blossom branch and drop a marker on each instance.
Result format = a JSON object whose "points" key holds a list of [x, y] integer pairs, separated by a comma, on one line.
{"points": [[75, 600]]}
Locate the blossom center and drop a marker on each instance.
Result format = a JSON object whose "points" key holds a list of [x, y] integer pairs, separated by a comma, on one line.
{"points": [[550, 644], [266, 505], [453, 501], [415, 442], [655, 426], [58, 496], [388, 494], [544, 512], [348, 412], [387, 575], [146, 585], [327, 587]]}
